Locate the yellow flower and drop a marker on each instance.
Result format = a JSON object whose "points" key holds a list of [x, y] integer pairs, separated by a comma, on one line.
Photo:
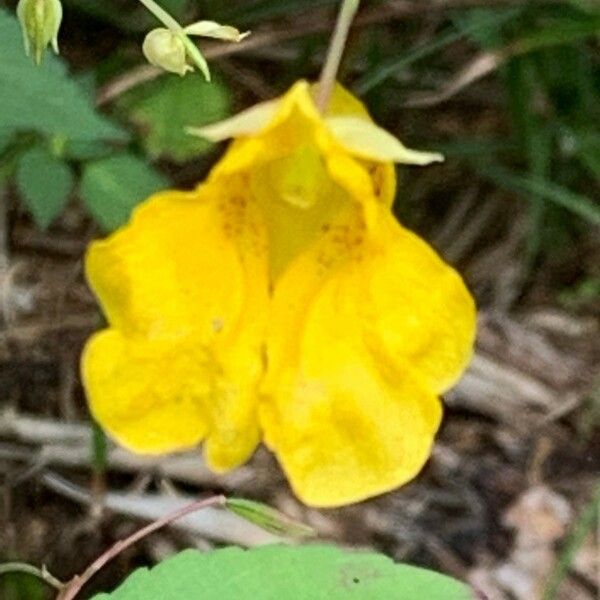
{"points": [[280, 300]]}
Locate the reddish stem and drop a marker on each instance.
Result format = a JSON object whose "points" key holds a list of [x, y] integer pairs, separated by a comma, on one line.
{"points": [[76, 584]]}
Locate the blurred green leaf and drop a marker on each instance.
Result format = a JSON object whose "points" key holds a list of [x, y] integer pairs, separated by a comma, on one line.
{"points": [[45, 183], [387, 68], [83, 151], [379, 73], [576, 203], [112, 187], [44, 99], [539, 158], [165, 108], [561, 31], [584, 291], [591, 6], [525, 86], [483, 25], [4, 141], [588, 149], [19, 586], [308, 572], [568, 76], [134, 19]]}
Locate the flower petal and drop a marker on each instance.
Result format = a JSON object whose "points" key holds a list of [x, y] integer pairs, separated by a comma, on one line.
{"points": [[184, 287], [299, 174], [351, 407], [264, 118], [275, 112], [344, 104], [366, 140], [215, 30], [150, 396], [416, 311], [247, 122], [165, 49], [174, 269]]}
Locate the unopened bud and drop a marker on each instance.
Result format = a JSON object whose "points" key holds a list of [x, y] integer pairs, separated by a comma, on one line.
{"points": [[171, 48], [268, 518], [40, 22], [211, 29], [165, 49]]}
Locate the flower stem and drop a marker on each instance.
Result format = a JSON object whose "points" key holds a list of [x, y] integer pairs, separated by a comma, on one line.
{"points": [[334, 56], [162, 15], [72, 589], [195, 55]]}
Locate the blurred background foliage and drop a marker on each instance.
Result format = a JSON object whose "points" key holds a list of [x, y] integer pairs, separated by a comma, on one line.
{"points": [[516, 85]]}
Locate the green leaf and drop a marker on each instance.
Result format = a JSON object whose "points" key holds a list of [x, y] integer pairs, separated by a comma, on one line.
{"points": [[524, 85], [20, 586], [482, 25], [112, 187], [44, 99], [84, 151], [163, 110], [380, 73], [562, 31], [45, 183], [307, 572], [4, 141], [576, 203]]}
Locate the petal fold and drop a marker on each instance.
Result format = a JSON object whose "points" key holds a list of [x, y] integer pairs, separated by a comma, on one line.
{"points": [[150, 396], [417, 311], [351, 401], [367, 140], [247, 122], [184, 288]]}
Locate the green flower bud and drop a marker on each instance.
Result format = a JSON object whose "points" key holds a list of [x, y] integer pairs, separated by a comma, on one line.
{"points": [[268, 518], [40, 22], [171, 48], [211, 29], [166, 49]]}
